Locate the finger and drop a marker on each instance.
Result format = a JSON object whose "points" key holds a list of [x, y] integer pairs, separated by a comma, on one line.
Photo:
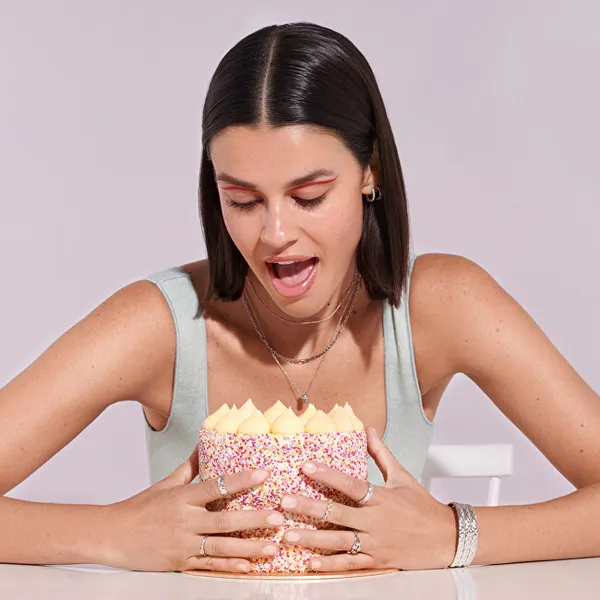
{"points": [[393, 472], [351, 486], [235, 547], [335, 541], [207, 491], [340, 514], [227, 521], [215, 563], [342, 562], [183, 474]]}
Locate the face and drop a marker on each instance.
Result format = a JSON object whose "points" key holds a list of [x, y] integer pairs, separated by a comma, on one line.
{"points": [[291, 201]]}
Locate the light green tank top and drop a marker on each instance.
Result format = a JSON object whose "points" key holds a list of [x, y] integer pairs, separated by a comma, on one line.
{"points": [[407, 434]]}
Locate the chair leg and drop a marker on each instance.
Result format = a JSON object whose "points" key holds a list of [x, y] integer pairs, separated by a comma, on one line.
{"points": [[494, 492]]}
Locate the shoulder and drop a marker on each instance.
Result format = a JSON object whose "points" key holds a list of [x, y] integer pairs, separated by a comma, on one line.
{"points": [[453, 302], [198, 273]]}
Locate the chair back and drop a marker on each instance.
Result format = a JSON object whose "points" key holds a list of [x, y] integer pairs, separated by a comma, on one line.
{"points": [[493, 461]]}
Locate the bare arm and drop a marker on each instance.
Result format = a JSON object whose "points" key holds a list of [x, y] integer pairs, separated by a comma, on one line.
{"points": [[492, 340], [115, 353], [36, 533]]}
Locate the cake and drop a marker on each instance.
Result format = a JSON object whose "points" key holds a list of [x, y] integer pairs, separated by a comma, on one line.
{"points": [[235, 439]]}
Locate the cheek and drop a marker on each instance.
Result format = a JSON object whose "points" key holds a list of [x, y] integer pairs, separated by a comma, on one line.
{"points": [[344, 230], [240, 230]]}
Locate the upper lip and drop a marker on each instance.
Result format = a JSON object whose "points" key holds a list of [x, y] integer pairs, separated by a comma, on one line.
{"points": [[296, 258]]}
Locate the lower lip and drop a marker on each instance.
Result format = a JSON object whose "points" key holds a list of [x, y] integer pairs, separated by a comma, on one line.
{"points": [[294, 291]]}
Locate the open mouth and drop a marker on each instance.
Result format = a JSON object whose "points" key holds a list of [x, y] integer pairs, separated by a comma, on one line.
{"points": [[292, 273]]}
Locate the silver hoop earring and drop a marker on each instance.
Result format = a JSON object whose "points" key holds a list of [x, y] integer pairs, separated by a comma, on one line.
{"points": [[374, 195]]}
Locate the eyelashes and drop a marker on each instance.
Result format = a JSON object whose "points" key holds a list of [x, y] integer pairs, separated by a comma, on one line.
{"points": [[303, 203]]}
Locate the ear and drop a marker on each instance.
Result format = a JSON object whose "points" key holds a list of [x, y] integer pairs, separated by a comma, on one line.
{"points": [[371, 173]]}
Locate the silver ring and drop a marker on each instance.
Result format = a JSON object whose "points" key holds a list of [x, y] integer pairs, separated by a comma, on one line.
{"points": [[356, 545], [327, 511], [202, 551], [221, 485], [368, 495]]}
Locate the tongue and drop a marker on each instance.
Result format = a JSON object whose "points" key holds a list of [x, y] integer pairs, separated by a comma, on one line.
{"points": [[295, 273]]}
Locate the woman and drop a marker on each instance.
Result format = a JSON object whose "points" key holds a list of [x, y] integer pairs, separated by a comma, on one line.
{"points": [[309, 293]]}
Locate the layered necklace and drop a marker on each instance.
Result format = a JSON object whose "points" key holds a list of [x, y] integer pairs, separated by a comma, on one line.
{"points": [[347, 300]]}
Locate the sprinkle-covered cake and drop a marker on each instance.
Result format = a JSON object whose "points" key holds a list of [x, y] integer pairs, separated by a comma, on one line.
{"points": [[235, 439]]}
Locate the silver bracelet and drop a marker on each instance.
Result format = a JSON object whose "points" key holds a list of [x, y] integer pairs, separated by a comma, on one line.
{"points": [[468, 535]]}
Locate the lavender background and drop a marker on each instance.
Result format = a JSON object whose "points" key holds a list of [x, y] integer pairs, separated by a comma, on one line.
{"points": [[494, 105]]}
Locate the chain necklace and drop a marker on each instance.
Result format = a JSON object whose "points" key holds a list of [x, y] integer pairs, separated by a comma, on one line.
{"points": [[301, 361], [346, 293], [303, 397]]}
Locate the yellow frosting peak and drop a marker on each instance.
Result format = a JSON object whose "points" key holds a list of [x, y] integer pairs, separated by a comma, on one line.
{"points": [[274, 411], [287, 423], [255, 423], [356, 422], [308, 413], [248, 409], [279, 419], [230, 422], [341, 419], [334, 410], [320, 423], [214, 418]]}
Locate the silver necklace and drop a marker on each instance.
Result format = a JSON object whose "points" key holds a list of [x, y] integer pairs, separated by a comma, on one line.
{"points": [[300, 361], [303, 397], [345, 296]]}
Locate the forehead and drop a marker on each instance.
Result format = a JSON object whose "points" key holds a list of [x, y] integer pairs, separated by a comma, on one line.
{"points": [[268, 154]]}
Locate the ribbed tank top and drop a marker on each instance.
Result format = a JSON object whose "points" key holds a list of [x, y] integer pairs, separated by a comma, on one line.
{"points": [[407, 433]]}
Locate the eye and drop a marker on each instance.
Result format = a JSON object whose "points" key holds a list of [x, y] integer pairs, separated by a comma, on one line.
{"points": [[310, 203], [245, 206]]}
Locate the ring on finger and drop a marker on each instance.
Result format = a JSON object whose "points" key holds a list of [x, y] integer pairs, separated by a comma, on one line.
{"points": [[327, 511], [221, 485], [202, 551], [356, 544], [368, 495]]}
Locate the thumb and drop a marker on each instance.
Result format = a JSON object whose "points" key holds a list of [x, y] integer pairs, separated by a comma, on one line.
{"points": [[183, 474], [393, 472]]}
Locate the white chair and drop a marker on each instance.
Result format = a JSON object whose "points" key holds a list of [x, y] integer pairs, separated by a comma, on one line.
{"points": [[475, 460]]}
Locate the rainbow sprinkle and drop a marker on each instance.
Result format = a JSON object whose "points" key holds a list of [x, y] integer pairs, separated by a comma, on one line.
{"points": [[283, 456]]}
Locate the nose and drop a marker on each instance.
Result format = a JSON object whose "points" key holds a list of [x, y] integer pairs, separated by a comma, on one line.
{"points": [[278, 228]]}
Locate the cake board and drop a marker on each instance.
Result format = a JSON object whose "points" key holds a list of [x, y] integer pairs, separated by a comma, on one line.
{"points": [[291, 576]]}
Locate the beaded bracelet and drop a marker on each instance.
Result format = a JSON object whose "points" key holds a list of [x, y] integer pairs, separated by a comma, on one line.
{"points": [[468, 535]]}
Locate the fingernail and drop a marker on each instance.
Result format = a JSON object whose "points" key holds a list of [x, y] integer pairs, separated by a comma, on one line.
{"points": [[259, 475], [292, 536], [244, 568], [275, 519], [373, 432], [269, 550], [288, 502], [315, 564], [309, 468]]}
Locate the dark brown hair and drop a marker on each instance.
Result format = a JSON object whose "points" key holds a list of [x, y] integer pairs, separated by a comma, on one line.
{"points": [[302, 73]]}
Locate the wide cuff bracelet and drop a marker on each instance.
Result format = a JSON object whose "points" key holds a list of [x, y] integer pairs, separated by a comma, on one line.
{"points": [[468, 535]]}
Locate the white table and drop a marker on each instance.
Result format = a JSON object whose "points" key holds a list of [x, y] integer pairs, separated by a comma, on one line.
{"points": [[568, 579]]}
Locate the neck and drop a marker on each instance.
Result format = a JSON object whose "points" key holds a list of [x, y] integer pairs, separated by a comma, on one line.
{"points": [[298, 339]]}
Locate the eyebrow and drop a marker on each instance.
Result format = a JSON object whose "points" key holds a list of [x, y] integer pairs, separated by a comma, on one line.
{"points": [[295, 183]]}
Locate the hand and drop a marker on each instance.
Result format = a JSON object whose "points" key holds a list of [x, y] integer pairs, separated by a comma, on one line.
{"points": [[401, 527], [161, 528]]}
